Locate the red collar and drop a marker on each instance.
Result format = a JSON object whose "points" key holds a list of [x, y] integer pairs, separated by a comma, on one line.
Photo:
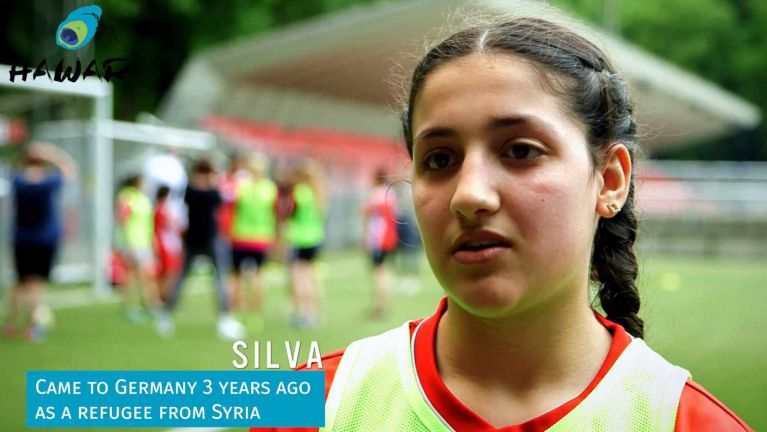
{"points": [[459, 416]]}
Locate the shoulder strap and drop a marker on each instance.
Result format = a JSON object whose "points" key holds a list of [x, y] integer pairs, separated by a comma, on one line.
{"points": [[372, 348], [390, 351], [641, 392]]}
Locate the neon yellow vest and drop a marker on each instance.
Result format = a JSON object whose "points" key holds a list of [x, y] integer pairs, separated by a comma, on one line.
{"points": [[254, 218], [138, 229], [306, 226], [376, 388]]}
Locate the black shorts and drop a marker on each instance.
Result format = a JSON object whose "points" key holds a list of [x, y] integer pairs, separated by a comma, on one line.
{"points": [[305, 254], [33, 260], [240, 256], [378, 256]]}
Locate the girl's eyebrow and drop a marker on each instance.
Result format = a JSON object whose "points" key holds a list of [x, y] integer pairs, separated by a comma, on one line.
{"points": [[514, 120], [502, 122], [494, 124], [435, 132]]}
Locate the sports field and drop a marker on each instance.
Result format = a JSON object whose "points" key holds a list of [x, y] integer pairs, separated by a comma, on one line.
{"points": [[707, 315]]}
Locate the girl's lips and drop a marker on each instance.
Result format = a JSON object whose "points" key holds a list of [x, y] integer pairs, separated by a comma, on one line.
{"points": [[480, 256], [469, 244]]}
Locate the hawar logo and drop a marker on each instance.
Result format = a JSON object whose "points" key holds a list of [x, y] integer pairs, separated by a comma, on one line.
{"points": [[76, 31], [79, 28]]}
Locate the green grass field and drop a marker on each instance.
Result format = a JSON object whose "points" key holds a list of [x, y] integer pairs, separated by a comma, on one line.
{"points": [[706, 315]]}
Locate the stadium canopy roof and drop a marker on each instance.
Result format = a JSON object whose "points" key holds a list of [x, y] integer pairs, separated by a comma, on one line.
{"points": [[335, 72]]}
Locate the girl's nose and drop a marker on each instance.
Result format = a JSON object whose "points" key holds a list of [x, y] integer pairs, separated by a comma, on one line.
{"points": [[476, 192]]}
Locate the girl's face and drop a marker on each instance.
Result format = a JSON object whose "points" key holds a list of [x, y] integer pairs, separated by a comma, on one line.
{"points": [[503, 186]]}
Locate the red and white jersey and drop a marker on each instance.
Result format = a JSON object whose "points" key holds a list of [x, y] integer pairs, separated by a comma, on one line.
{"points": [[167, 230], [698, 410], [381, 213]]}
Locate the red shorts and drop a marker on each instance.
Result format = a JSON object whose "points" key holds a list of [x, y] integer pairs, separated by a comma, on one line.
{"points": [[168, 263]]}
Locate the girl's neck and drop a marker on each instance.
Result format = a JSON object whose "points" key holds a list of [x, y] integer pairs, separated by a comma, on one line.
{"points": [[539, 358]]}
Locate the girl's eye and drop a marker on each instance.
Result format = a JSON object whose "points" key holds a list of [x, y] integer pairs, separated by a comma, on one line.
{"points": [[439, 160], [524, 151]]}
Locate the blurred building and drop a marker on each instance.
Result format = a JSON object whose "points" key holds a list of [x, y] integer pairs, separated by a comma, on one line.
{"points": [[328, 88]]}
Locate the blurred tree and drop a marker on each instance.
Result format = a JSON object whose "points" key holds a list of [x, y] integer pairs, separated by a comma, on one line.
{"points": [[722, 41], [156, 36]]}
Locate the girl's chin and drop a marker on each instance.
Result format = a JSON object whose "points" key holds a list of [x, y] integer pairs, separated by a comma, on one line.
{"points": [[486, 303]]}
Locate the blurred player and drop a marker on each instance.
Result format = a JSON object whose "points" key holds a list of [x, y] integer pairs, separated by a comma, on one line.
{"points": [[380, 236], [202, 238], [237, 171], [167, 243], [253, 231], [285, 207], [408, 252], [135, 237], [36, 235], [305, 235]]}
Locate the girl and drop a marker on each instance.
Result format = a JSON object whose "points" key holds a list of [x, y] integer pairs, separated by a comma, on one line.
{"points": [[522, 138]]}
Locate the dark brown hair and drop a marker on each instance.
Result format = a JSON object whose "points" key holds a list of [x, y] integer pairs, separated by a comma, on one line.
{"points": [[577, 70], [162, 192], [133, 180], [32, 159], [203, 166]]}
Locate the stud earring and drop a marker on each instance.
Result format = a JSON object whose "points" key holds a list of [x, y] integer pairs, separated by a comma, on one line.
{"points": [[614, 208]]}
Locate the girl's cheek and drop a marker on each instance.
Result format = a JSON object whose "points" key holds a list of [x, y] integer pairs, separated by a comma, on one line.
{"points": [[431, 207], [421, 198]]}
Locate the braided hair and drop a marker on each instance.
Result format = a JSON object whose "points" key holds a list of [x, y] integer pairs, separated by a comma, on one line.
{"points": [[577, 70]]}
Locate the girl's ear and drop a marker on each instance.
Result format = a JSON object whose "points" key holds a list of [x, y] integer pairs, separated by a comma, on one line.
{"points": [[616, 176]]}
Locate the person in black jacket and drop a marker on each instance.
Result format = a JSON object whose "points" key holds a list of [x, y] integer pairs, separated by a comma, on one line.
{"points": [[201, 238]]}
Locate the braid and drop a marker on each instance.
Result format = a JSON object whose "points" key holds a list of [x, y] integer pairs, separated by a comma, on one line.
{"points": [[613, 262]]}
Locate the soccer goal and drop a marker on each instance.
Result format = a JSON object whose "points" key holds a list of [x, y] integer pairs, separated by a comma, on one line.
{"points": [[77, 117]]}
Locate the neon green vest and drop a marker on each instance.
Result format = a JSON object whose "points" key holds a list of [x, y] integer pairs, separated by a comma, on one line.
{"points": [[376, 388], [306, 226], [254, 218], [138, 229]]}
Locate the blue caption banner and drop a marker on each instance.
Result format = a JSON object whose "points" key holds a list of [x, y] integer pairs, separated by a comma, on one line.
{"points": [[175, 398]]}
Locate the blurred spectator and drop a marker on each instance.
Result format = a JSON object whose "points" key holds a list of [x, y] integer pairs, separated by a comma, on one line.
{"points": [[36, 235]]}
